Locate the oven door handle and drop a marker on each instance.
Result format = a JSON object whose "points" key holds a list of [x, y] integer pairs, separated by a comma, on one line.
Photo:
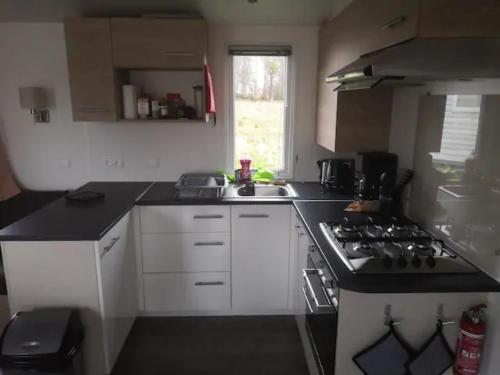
{"points": [[313, 294], [308, 304]]}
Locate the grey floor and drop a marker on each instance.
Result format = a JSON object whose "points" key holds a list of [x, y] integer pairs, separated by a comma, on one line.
{"points": [[213, 346]]}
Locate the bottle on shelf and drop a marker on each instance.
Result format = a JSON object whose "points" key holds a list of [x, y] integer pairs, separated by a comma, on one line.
{"points": [[155, 109], [143, 107]]}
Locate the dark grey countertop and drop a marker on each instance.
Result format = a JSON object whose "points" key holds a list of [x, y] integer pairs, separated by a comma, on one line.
{"points": [[312, 213], [64, 221], [164, 193]]}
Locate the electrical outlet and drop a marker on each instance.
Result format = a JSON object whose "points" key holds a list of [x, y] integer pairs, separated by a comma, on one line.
{"points": [[114, 163]]}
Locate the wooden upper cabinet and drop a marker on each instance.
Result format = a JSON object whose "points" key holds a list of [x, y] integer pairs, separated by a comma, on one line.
{"points": [[348, 121], [387, 23], [354, 121], [92, 79], [371, 25], [158, 44], [360, 120], [459, 18]]}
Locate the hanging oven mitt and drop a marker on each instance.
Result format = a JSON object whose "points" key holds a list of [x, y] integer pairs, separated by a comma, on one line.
{"points": [[387, 356], [434, 358]]}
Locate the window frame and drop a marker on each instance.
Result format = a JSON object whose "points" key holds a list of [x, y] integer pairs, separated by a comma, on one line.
{"points": [[288, 146]]}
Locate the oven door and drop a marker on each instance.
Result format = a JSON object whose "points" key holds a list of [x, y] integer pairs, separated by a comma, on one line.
{"points": [[321, 319]]}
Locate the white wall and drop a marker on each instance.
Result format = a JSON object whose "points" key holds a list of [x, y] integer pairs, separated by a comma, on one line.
{"points": [[33, 54]]}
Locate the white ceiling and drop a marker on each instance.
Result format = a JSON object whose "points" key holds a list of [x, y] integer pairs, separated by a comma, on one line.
{"points": [[268, 12]]}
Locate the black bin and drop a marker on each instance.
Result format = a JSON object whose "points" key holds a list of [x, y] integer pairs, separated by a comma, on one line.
{"points": [[45, 341]]}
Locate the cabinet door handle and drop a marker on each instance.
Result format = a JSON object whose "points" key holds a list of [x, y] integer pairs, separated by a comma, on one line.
{"points": [[106, 249], [208, 216], [214, 243], [208, 283], [253, 216], [394, 22], [179, 54], [93, 109]]}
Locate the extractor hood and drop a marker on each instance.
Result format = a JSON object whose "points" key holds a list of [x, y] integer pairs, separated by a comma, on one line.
{"points": [[420, 60]]}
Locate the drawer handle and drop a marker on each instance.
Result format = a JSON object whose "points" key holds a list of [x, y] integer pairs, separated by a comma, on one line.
{"points": [[208, 283], [179, 54], [394, 22], [208, 216], [215, 243], [106, 249], [93, 109], [252, 216]]}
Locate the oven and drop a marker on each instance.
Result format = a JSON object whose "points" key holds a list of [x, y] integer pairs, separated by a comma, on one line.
{"points": [[321, 296]]}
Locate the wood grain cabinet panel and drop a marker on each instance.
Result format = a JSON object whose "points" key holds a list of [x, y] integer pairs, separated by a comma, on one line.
{"points": [[459, 18], [158, 44], [381, 24], [359, 121], [93, 83]]}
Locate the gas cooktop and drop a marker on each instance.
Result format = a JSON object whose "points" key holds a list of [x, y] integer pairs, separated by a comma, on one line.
{"points": [[391, 245]]}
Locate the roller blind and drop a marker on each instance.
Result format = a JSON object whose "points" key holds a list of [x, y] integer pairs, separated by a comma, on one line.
{"points": [[260, 50]]}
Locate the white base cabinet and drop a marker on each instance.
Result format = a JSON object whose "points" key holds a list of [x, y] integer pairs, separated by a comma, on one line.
{"points": [[117, 271], [224, 260], [260, 246], [201, 291], [186, 259], [97, 278]]}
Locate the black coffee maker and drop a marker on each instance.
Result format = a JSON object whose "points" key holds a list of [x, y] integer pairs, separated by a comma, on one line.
{"points": [[337, 175], [377, 174]]}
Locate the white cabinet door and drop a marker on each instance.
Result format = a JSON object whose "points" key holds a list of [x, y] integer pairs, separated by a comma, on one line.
{"points": [[117, 268], [260, 246], [302, 242]]}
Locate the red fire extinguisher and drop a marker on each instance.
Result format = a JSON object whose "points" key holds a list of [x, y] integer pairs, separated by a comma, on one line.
{"points": [[470, 341]]}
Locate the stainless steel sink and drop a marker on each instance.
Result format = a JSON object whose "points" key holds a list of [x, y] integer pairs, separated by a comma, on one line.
{"points": [[271, 191]]}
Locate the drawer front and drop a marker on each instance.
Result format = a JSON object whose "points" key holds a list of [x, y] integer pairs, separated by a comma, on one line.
{"points": [[185, 219], [187, 291], [186, 252], [161, 44]]}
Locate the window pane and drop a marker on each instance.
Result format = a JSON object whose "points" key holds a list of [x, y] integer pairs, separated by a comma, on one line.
{"points": [[259, 88]]}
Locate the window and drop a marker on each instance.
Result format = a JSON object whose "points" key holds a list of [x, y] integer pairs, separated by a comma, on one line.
{"points": [[259, 102]]}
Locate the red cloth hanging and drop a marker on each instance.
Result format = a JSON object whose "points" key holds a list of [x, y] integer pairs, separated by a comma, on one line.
{"points": [[209, 92]]}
